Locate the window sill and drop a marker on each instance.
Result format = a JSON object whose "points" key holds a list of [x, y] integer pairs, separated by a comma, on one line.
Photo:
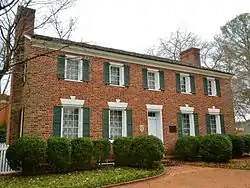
{"points": [[73, 80], [154, 89], [186, 93], [212, 95], [116, 85]]}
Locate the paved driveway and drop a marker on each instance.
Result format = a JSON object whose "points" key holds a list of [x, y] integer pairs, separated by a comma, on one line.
{"points": [[197, 177]]}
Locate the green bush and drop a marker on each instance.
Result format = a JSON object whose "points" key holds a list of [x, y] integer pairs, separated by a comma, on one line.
{"points": [[238, 145], [26, 153], [147, 151], [187, 148], [3, 129], [101, 150], [82, 153], [215, 148], [59, 152], [122, 151], [246, 139]]}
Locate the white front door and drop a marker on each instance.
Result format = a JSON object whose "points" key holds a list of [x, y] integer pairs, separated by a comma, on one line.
{"points": [[155, 125]]}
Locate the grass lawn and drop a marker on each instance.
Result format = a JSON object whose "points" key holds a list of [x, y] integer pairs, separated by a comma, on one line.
{"points": [[86, 179]]}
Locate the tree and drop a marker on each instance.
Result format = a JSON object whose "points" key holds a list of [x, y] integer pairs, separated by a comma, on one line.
{"points": [[233, 43], [11, 41]]}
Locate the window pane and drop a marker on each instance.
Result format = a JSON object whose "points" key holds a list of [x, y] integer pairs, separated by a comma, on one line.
{"points": [[209, 87], [213, 124], [115, 125], [185, 125], [70, 122], [183, 83], [115, 75], [151, 80], [73, 69]]}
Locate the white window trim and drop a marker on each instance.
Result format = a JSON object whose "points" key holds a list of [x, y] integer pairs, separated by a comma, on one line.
{"points": [[121, 68], [188, 83], [213, 111], [214, 91], [72, 102], [154, 107], [117, 105], [189, 110], [216, 112], [79, 71], [186, 109], [157, 79]]}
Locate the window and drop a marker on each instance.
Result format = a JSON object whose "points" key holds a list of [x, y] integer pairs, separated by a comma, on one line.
{"points": [[211, 87], [71, 122], [73, 69], [213, 124], [153, 80], [186, 124], [151, 114], [185, 86], [116, 123], [116, 74]]}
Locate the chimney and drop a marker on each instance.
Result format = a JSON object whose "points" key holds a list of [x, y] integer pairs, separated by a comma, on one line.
{"points": [[25, 21], [191, 56]]}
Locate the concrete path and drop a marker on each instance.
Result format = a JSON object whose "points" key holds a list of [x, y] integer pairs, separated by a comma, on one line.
{"points": [[197, 177]]}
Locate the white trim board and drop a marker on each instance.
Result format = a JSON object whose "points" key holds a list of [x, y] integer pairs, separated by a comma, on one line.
{"points": [[117, 105]]}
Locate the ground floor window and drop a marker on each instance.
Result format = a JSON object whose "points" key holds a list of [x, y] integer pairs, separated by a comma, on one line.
{"points": [[186, 124], [116, 123], [213, 124]]}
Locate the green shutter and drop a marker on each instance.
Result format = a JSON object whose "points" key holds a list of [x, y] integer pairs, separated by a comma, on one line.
{"points": [[217, 81], [86, 122], [178, 84], [106, 73], [162, 80], [205, 86], [222, 124], [60, 66], [126, 75], [57, 121], [105, 133], [179, 122], [129, 123], [192, 82], [145, 78], [196, 124], [85, 70], [208, 124]]}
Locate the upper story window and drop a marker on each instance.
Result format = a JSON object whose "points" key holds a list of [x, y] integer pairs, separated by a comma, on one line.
{"points": [[116, 74], [73, 68], [153, 79], [211, 86], [185, 83]]}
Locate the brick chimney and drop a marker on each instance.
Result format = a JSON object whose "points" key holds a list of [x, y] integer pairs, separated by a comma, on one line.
{"points": [[25, 21], [191, 56]]}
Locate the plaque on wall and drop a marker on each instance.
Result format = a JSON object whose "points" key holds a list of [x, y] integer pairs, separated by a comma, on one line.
{"points": [[172, 129]]}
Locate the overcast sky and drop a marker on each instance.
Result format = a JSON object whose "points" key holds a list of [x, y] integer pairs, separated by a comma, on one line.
{"points": [[136, 25]]}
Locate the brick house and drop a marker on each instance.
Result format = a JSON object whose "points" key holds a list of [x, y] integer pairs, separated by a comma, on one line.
{"points": [[78, 89]]}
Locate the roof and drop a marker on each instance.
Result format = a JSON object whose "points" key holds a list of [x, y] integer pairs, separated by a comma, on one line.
{"points": [[122, 52]]}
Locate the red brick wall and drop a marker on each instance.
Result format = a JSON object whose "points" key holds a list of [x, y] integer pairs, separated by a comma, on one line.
{"points": [[43, 91]]}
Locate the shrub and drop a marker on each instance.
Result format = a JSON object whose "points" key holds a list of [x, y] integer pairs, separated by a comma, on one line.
{"points": [[215, 148], [101, 150], [246, 139], [3, 129], [122, 151], [59, 151], [26, 153], [238, 145], [187, 148], [147, 151], [82, 153]]}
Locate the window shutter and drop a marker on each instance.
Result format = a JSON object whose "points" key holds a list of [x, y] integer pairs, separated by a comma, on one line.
{"points": [[192, 83], [178, 84], [126, 75], [162, 80], [217, 81], [85, 70], [196, 124], [205, 86], [179, 122], [208, 124], [106, 73], [129, 123], [57, 121], [145, 78], [86, 122], [105, 133], [222, 124], [60, 66]]}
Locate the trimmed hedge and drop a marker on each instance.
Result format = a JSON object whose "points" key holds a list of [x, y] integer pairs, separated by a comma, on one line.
{"points": [[122, 151], [187, 148], [238, 145], [101, 150], [215, 148], [59, 153], [82, 153], [26, 153], [246, 139]]}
